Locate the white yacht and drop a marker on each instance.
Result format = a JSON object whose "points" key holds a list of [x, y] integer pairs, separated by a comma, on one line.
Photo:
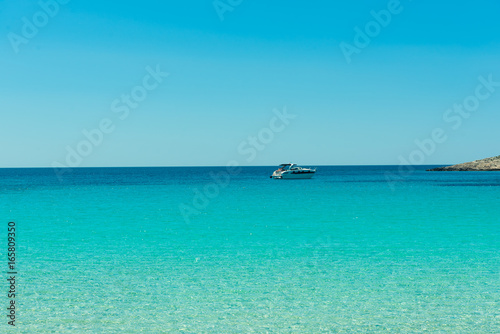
{"points": [[292, 171]]}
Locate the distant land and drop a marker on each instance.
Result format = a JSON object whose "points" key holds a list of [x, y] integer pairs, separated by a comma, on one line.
{"points": [[488, 164]]}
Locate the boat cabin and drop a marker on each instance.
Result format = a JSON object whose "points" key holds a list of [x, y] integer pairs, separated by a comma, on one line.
{"points": [[288, 166]]}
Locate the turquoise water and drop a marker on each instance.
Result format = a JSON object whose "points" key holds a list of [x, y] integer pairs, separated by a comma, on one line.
{"points": [[108, 250]]}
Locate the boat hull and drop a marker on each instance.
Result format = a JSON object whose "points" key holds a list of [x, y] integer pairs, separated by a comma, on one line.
{"points": [[294, 175]]}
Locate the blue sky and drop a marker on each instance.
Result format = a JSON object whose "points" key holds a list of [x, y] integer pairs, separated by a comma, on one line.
{"points": [[227, 76]]}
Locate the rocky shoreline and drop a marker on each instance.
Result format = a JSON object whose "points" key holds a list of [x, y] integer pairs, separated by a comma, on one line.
{"points": [[488, 164]]}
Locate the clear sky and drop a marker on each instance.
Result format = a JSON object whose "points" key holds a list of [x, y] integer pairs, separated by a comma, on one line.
{"points": [[67, 67]]}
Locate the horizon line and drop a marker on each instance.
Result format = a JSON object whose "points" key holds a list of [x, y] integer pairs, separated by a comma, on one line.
{"points": [[202, 166]]}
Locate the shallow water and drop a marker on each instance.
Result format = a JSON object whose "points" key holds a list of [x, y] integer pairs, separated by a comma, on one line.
{"points": [[109, 250]]}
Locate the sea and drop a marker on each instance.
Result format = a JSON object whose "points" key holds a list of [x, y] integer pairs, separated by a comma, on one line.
{"points": [[356, 249]]}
